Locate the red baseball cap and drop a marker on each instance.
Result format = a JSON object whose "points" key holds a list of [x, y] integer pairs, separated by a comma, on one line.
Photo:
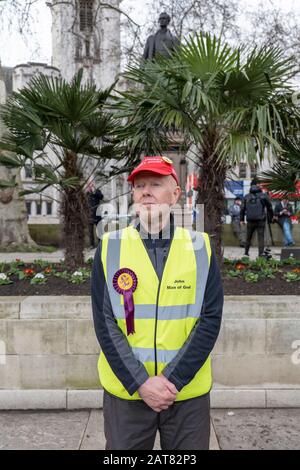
{"points": [[157, 164]]}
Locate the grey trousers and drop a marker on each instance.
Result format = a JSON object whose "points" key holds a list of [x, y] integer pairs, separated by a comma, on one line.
{"points": [[238, 231], [132, 425]]}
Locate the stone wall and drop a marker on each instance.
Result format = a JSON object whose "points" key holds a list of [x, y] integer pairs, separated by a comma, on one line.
{"points": [[49, 353], [228, 238]]}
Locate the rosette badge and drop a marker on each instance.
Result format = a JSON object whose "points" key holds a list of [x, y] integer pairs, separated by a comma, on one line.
{"points": [[125, 283]]}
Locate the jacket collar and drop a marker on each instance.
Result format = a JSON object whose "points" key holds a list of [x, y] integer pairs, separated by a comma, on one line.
{"points": [[166, 233]]}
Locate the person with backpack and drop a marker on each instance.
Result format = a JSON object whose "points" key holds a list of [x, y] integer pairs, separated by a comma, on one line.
{"points": [[256, 206]]}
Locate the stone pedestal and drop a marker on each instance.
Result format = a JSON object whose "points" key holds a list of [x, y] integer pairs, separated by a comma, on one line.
{"points": [[290, 251]]}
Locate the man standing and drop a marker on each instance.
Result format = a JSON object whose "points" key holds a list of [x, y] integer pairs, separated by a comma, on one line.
{"points": [[234, 212], [283, 212], [157, 304], [254, 206]]}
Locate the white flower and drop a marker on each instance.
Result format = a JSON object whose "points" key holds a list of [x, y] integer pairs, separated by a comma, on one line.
{"points": [[39, 276], [3, 276], [77, 273]]}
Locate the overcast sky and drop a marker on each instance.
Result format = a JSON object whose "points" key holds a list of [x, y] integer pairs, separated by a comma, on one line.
{"points": [[37, 47]]}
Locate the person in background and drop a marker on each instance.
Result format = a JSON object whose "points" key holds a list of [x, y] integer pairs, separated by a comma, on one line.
{"points": [[282, 214], [94, 197], [234, 212], [256, 207]]}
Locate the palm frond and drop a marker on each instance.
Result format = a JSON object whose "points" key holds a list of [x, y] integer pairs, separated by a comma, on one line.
{"points": [[243, 93], [285, 173]]}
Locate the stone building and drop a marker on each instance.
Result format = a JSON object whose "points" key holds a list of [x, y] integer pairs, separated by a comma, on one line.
{"points": [[85, 34]]}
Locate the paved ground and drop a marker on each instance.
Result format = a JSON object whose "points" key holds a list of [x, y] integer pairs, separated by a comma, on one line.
{"points": [[258, 429], [233, 252], [83, 430], [229, 252]]}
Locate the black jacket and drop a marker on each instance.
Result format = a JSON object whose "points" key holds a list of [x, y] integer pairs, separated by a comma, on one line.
{"points": [[282, 217], [94, 199], [265, 202], [113, 342]]}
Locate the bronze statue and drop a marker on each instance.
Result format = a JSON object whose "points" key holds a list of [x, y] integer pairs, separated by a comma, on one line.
{"points": [[162, 42]]}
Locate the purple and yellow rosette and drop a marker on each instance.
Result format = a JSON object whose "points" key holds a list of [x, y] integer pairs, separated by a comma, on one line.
{"points": [[125, 283]]}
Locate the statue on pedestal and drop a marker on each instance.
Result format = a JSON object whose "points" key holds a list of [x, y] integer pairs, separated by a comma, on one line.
{"points": [[163, 42]]}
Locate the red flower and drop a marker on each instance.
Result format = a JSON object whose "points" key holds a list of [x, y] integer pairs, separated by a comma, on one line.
{"points": [[240, 266], [47, 270], [29, 272], [296, 270]]}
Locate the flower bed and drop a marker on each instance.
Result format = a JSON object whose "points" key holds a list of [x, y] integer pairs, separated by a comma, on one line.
{"points": [[240, 277], [19, 278], [243, 276], [260, 269]]}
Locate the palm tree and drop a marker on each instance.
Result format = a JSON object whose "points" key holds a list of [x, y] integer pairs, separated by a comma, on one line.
{"points": [[284, 175], [229, 104], [69, 122]]}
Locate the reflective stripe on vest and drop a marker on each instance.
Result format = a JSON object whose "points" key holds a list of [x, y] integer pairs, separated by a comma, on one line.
{"points": [[165, 311]]}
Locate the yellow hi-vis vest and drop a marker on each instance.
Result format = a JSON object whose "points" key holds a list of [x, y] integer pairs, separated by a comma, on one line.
{"points": [[165, 311]]}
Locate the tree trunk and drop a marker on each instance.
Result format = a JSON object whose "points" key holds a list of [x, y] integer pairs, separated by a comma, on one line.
{"points": [[211, 195], [74, 212], [14, 233]]}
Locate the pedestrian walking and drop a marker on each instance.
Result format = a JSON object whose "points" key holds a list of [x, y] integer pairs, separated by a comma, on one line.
{"points": [[256, 207]]}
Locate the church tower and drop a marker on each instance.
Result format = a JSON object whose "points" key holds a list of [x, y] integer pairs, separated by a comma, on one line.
{"points": [[86, 34]]}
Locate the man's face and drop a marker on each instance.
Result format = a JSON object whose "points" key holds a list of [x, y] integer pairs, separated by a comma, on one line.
{"points": [[154, 194], [238, 202], [163, 20]]}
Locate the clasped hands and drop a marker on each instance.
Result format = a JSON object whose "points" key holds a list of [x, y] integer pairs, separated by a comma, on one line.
{"points": [[158, 393]]}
